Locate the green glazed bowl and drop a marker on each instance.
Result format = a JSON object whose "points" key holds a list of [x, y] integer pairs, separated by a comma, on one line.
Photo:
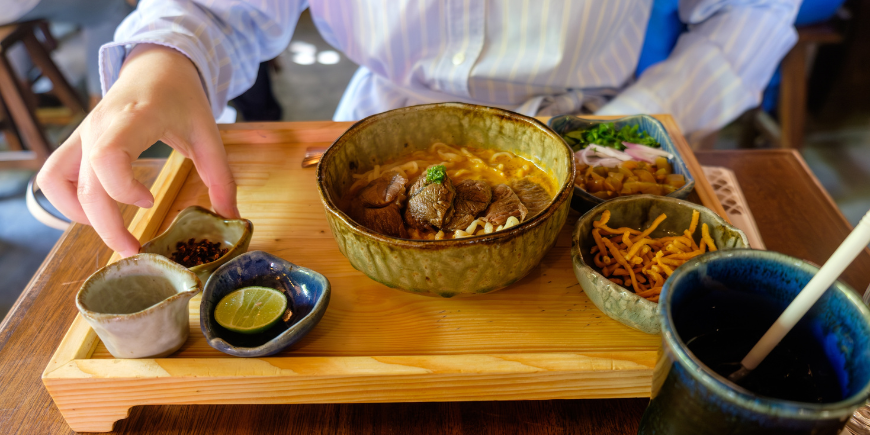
{"points": [[638, 212], [446, 268], [198, 223]]}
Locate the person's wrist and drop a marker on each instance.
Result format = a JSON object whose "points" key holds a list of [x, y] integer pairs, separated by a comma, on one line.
{"points": [[161, 70]]}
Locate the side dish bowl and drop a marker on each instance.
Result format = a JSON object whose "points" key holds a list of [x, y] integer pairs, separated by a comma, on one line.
{"points": [[138, 305], [638, 212], [583, 200], [307, 298], [455, 267], [198, 223]]}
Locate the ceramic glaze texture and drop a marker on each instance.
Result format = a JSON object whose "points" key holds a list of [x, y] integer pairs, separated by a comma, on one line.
{"points": [[689, 398], [138, 305], [307, 297], [583, 200], [446, 268], [198, 223], [639, 212]]}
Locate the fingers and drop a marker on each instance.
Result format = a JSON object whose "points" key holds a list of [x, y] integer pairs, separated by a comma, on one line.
{"points": [[111, 159], [210, 159], [103, 213], [59, 176]]}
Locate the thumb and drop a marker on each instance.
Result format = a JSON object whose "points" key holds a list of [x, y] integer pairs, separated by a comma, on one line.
{"points": [[210, 158]]}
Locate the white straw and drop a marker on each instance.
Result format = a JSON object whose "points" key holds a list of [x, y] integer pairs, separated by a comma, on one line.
{"points": [[843, 256]]}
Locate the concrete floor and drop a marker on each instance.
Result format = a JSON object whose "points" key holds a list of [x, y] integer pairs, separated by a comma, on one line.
{"points": [[838, 154]]}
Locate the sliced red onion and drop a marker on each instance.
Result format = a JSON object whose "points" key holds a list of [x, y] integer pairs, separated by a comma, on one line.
{"points": [[585, 157], [609, 162], [610, 152], [648, 150], [596, 155], [639, 156]]}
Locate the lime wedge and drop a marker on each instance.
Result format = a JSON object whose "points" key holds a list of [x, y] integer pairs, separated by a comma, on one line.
{"points": [[250, 310]]}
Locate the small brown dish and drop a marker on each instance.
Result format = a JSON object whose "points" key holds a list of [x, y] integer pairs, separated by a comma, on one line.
{"points": [[197, 223]]}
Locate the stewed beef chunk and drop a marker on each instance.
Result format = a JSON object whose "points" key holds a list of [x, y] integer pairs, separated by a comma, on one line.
{"points": [[472, 198], [532, 195], [505, 204], [384, 190], [385, 220], [430, 201], [377, 205]]}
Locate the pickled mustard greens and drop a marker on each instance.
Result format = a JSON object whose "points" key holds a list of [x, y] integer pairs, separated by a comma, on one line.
{"points": [[250, 310], [629, 178], [607, 135]]}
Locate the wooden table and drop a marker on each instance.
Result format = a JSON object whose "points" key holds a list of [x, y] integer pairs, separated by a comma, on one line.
{"points": [[794, 214]]}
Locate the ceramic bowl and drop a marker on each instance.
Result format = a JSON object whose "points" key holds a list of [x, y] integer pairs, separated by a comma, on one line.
{"points": [[446, 268], [307, 298], [198, 223], [638, 211], [583, 201], [138, 305], [690, 398]]}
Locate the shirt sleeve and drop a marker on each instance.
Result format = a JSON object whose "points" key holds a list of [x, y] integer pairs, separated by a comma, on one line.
{"points": [[225, 39], [719, 67]]}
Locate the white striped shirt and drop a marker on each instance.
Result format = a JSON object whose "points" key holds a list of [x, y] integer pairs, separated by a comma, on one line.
{"points": [[543, 57]]}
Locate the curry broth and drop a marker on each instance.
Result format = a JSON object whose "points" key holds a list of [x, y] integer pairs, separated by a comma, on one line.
{"points": [[463, 163]]}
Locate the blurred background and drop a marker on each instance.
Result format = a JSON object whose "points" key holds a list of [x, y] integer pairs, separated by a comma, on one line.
{"points": [[817, 103]]}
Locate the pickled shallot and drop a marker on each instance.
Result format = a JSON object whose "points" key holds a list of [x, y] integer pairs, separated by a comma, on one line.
{"points": [[628, 178]]}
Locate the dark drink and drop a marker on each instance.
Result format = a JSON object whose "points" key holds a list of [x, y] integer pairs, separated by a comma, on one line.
{"points": [[720, 326], [714, 309]]}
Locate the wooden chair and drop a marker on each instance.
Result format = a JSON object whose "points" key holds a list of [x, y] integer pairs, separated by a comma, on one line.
{"points": [[792, 104], [28, 145]]}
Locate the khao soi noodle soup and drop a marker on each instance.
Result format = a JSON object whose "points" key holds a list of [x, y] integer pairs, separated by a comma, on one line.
{"points": [[447, 192]]}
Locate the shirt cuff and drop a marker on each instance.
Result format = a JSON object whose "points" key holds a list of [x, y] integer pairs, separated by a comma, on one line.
{"points": [[113, 55]]}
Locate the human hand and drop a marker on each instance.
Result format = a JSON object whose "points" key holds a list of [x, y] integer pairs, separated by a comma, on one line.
{"points": [[158, 96]]}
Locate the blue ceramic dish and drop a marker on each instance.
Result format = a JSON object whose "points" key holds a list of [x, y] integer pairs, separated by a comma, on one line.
{"points": [[690, 398], [307, 297], [583, 201]]}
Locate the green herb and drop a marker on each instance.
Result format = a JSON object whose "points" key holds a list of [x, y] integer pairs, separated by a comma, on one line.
{"points": [[606, 134], [436, 174]]}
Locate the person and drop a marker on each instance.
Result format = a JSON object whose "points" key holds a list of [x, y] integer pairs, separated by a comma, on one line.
{"points": [[175, 63]]}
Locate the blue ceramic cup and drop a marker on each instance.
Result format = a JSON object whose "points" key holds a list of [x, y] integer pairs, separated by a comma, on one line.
{"points": [[690, 398]]}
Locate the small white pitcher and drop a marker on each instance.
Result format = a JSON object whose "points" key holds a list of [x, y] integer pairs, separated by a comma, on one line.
{"points": [[138, 306]]}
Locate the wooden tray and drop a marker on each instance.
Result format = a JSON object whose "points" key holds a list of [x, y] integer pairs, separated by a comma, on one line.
{"points": [[541, 338]]}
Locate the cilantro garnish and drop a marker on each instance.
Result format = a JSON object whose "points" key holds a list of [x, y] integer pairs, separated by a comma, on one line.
{"points": [[436, 174], [606, 134]]}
